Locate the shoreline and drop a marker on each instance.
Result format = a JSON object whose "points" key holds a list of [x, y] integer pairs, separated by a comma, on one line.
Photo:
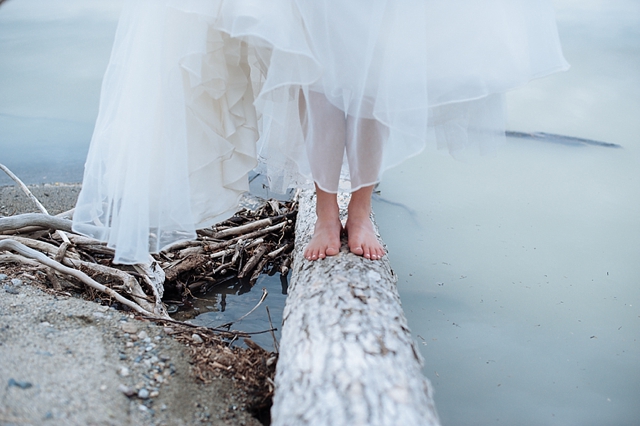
{"points": [[68, 360]]}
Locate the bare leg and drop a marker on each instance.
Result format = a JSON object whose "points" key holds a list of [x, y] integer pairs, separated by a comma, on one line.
{"points": [[362, 238], [325, 130], [326, 236], [364, 152]]}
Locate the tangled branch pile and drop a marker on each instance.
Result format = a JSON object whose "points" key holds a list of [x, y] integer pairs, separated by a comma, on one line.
{"points": [[247, 244]]}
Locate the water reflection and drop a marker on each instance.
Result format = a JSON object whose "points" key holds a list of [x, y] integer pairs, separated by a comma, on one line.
{"points": [[520, 280], [222, 304]]}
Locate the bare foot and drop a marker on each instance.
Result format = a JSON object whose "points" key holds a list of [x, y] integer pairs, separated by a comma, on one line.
{"points": [[325, 241], [326, 235], [362, 239]]}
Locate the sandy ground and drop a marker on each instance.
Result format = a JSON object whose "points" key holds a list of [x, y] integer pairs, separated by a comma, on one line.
{"points": [[67, 361]]}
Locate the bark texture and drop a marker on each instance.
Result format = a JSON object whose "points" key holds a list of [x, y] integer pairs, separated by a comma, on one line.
{"points": [[346, 353]]}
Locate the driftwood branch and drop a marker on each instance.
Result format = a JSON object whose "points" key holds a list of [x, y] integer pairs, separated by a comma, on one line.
{"points": [[11, 223], [81, 276], [32, 197]]}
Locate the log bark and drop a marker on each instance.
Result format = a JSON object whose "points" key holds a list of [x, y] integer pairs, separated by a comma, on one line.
{"points": [[346, 353]]}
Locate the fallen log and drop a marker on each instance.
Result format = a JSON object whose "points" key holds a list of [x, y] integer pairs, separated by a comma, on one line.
{"points": [[346, 353]]}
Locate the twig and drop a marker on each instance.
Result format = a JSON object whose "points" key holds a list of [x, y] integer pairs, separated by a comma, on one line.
{"points": [[264, 296], [273, 334], [30, 253]]}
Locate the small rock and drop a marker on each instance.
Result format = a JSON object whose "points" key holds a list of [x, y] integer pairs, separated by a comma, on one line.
{"points": [[154, 394], [103, 388], [142, 335], [129, 327], [3, 277], [16, 282], [128, 344], [169, 330], [98, 315], [163, 407], [123, 372], [20, 384], [142, 408], [11, 290], [196, 338], [128, 391], [143, 393]]}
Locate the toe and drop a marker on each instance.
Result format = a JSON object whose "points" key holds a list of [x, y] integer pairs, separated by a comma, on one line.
{"points": [[332, 251], [357, 250]]}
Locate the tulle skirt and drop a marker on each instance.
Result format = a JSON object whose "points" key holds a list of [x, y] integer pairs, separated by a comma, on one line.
{"points": [[200, 92]]}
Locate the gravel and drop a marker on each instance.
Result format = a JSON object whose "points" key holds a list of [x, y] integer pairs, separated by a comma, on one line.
{"points": [[68, 361]]}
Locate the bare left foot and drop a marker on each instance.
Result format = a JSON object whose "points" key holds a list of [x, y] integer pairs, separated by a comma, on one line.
{"points": [[362, 239]]}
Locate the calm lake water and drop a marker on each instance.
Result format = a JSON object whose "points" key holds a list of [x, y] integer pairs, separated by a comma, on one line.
{"points": [[519, 274]]}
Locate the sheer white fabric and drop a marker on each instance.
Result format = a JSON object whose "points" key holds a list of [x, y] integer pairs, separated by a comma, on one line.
{"points": [[198, 92]]}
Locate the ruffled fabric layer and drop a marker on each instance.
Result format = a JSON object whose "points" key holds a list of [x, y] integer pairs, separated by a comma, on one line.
{"points": [[198, 92]]}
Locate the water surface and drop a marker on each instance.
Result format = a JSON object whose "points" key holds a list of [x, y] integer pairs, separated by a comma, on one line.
{"points": [[519, 274]]}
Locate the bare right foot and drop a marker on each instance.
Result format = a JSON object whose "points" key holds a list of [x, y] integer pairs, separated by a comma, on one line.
{"points": [[325, 241], [326, 235]]}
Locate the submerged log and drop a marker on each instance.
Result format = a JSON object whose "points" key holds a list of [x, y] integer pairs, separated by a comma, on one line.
{"points": [[346, 353]]}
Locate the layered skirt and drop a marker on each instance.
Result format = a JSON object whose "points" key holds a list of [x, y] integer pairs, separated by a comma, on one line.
{"points": [[200, 92]]}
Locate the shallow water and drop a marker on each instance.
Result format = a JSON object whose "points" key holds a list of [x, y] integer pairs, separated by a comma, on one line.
{"points": [[519, 274], [520, 278]]}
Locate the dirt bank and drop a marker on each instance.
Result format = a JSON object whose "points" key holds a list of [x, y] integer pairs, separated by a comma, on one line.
{"points": [[68, 361]]}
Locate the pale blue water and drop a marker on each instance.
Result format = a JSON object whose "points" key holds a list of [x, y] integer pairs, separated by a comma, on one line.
{"points": [[519, 275], [53, 55]]}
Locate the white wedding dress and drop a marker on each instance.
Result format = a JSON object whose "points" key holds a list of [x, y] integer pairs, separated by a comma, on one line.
{"points": [[200, 92]]}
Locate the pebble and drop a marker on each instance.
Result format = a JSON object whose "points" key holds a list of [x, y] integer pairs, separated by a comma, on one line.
{"points": [[196, 338], [11, 290], [154, 394], [143, 393], [128, 327], [124, 372], [19, 384], [128, 391], [3, 277], [16, 282], [142, 335]]}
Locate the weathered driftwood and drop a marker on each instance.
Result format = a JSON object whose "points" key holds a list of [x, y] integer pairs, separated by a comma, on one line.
{"points": [[346, 354], [84, 278], [33, 198], [12, 223]]}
